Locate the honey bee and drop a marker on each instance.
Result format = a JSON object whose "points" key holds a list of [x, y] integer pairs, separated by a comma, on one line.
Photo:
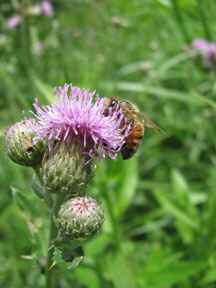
{"points": [[133, 117]]}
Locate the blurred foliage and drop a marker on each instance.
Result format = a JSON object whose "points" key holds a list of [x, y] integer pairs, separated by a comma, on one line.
{"points": [[160, 229]]}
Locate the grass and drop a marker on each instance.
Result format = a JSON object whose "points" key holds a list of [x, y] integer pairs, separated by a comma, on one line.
{"points": [[160, 228]]}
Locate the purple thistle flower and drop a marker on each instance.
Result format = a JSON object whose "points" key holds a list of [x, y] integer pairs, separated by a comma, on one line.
{"points": [[200, 44], [206, 49], [47, 8], [14, 21], [78, 115]]}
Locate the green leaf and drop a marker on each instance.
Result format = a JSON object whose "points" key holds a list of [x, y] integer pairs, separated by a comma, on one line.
{"points": [[161, 267], [165, 3], [24, 200], [97, 245], [120, 271], [127, 185], [174, 273], [45, 90], [87, 277], [177, 213], [138, 87]]}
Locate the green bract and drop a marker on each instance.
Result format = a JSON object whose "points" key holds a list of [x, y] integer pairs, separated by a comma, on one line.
{"points": [[66, 169]]}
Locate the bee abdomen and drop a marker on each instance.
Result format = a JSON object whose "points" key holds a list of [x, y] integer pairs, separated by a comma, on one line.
{"points": [[127, 152]]}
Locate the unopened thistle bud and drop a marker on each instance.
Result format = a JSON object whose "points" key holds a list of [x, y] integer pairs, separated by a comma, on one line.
{"points": [[65, 169], [20, 146], [79, 218]]}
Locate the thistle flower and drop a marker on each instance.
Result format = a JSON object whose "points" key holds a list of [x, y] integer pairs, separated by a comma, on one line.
{"points": [[78, 117], [207, 50], [20, 146], [14, 21], [47, 8], [79, 218]]}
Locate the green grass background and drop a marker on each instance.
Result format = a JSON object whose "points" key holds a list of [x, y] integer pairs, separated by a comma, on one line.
{"points": [[160, 229]]}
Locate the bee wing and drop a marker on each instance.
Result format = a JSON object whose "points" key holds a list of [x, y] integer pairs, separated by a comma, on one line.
{"points": [[151, 125]]}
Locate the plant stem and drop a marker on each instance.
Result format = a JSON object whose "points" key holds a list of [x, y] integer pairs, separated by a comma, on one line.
{"points": [[113, 219], [55, 203], [180, 21], [26, 53], [49, 269], [204, 19]]}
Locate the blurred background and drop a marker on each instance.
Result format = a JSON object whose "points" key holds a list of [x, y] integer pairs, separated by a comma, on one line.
{"points": [[160, 229]]}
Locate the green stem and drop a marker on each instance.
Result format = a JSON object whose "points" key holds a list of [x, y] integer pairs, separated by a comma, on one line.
{"points": [[49, 269], [26, 53], [113, 219], [180, 21], [204, 19], [55, 204]]}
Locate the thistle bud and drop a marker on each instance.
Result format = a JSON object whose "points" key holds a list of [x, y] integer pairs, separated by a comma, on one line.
{"points": [[20, 146], [79, 218], [66, 169]]}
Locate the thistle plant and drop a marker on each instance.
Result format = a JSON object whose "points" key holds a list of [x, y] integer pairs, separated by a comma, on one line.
{"points": [[62, 142]]}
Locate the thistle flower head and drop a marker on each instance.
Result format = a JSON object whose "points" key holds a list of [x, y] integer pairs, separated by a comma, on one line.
{"points": [[79, 218], [205, 49], [47, 8], [14, 21], [78, 116]]}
